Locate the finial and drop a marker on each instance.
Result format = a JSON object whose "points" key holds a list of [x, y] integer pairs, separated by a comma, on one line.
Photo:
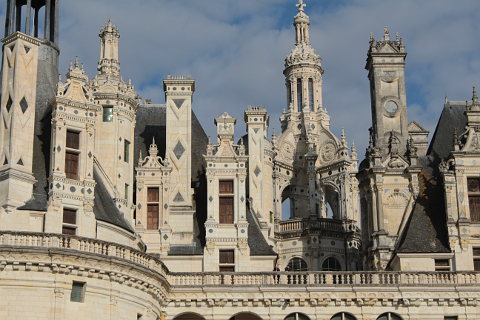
{"points": [[372, 39], [397, 37], [386, 34], [71, 64], [301, 6], [153, 140], [153, 151], [475, 97], [76, 62], [140, 158]]}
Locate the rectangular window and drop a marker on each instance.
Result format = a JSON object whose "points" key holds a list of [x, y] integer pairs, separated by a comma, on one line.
{"points": [[299, 95], [69, 221], [72, 155], [442, 264], [152, 216], [476, 259], [226, 210], [226, 187], [73, 140], [227, 260], [152, 194], [78, 291], [153, 206], [107, 113], [474, 198], [126, 150]]}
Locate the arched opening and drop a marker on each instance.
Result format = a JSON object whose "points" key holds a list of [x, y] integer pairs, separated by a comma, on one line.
{"points": [[296, 264], [288, 209], [331, 264], [389, 316], [245, 316], [332, 203], [296, 316], [189, 316], [343, 316]]}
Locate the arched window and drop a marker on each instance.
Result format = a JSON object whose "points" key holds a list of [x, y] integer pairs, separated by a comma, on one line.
{"points": [[389, 316], [296, 264], [331, 264], [343, 316], [296, 316], [189, 316], [245, 316]]}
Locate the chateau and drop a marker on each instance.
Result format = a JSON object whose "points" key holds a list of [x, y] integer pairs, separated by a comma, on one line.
{"points": [[112, 207]]}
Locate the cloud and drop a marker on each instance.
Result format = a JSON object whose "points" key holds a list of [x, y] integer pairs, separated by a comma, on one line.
{"points": [[235, 51]]}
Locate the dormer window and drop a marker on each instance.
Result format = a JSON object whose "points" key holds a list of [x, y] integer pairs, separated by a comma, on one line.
{"points": [[226, 206], [72, 154]]}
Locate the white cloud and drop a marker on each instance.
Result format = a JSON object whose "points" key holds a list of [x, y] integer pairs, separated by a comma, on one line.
{"points": [[235, 51]]}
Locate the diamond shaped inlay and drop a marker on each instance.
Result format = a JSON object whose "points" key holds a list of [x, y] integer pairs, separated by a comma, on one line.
{"points": [[210, 199], [23, 105], [179, 150], [178, 198], [58, 185], [90, 154], [89, 191], [165, 237], [9, 104], [257, 171], [242, 199]]}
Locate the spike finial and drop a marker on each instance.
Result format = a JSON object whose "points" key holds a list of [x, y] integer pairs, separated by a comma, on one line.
{"points": [[475, 96], [386, 34]]}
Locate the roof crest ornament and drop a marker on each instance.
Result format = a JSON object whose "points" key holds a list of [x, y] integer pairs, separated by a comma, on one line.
{"points": [[301, 6]]}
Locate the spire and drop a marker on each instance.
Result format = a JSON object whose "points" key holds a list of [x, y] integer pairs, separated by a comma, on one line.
{"points": [[108, 63]]}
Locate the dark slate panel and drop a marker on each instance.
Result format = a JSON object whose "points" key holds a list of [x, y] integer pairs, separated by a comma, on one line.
{"points": [[193, 250], [426, 230], [104, 208], [452, 119], [257, 243]]}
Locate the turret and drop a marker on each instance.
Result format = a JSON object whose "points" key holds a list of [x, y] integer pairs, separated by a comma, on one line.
{"points": [[115, 123], [29, 78]]}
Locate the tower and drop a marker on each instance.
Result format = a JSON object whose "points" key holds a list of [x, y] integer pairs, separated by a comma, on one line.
{"points": [[29, 79], [115, 122], [179, 91], [386, 72], [389, 176]]}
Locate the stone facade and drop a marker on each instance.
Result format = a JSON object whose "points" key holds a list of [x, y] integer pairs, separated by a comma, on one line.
{"points": [[116, 208]]}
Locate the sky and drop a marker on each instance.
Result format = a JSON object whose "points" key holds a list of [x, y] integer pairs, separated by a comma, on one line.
{"points": [[235, 51]]}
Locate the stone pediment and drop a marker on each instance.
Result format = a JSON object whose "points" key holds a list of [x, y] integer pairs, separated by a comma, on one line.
{"points": [[395, 162], [472, 142], [415, 127]]}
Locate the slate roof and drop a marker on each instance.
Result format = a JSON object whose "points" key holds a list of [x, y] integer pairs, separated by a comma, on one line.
{"points": [[257, 243], [426, 230], [104, 207]]}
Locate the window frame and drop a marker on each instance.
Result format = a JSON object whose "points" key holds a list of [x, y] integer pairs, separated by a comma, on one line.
{"points": [[83, 288], [126, 150], [109, 114], [476, 258], [474, 200], [153, 222], [229, 265], [68, 225], [441, 266], [226, 198], [72, 155]]}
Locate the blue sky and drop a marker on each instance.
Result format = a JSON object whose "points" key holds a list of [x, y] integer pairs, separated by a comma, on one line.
{"points": [[235, 50]]}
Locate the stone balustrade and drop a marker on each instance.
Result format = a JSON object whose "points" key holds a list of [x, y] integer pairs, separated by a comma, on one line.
{"points": [[295, 226], [320, 278], [85, 245], [326, 279]]}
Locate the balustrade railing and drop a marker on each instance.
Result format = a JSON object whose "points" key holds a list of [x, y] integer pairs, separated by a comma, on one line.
{"points": [[320, 278], [104, 248], [322, 224]]}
